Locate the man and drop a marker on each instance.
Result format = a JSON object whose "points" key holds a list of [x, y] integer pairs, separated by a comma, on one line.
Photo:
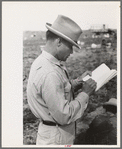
{"points": [[50, 92]]}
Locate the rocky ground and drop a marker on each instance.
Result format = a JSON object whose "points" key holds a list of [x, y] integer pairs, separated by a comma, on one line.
{"points": [[81, 60]]}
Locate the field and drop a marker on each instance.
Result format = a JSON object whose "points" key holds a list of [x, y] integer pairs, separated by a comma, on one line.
{"points": [[81, 60]]}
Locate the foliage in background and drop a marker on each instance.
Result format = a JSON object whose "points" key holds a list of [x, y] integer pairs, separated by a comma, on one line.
{"points": [[81, 60]]}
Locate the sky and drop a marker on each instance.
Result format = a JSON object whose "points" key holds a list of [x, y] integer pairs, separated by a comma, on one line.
{"points": [[34, 15]]}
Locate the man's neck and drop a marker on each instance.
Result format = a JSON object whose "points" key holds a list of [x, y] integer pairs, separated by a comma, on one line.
{"points": [[50, 48]]}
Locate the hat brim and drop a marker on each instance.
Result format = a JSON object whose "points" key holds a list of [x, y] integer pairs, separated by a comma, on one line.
{"points": [[61, 35]]}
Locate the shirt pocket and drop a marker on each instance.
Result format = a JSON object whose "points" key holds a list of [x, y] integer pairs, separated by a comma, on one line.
{"points": [[67, 90]]}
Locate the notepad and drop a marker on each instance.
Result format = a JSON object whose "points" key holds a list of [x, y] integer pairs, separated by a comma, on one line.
{"points": [[102, 74]]}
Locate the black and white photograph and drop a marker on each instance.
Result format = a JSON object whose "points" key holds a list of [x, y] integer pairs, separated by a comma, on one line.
{"points": [[61, 74]]}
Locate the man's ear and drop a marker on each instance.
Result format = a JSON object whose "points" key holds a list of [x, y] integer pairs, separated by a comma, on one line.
{"points": [[59, 42]]}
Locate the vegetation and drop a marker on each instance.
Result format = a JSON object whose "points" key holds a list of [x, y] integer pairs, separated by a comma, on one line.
{"points": [[81, 60]]}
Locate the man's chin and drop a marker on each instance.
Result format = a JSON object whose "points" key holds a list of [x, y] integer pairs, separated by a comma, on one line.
{"points": [[65, 58]]}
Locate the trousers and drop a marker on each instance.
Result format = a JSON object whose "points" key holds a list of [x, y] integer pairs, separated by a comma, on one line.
{"points": [[55, 135]]}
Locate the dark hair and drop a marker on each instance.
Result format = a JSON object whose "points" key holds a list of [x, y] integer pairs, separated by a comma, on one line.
{"points": [[50, 35]]}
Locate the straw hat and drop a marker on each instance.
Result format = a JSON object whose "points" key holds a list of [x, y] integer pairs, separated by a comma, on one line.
{"points": [[66, 28], [112, 101]]}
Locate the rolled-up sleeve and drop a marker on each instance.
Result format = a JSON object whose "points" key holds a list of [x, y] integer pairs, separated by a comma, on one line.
{"points": [[63, 111]]}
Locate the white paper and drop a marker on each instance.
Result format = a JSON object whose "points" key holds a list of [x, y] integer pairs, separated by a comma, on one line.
{"points": [[101, 75]]}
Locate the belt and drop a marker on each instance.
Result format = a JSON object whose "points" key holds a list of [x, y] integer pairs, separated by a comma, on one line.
{"points": [[49, 123]]}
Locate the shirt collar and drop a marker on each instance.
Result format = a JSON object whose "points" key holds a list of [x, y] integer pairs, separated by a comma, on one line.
{"points": [[51, 58]]}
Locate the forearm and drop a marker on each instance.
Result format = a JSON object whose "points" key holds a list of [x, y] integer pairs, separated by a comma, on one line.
{"points": [[67, 112], [82, 101]]}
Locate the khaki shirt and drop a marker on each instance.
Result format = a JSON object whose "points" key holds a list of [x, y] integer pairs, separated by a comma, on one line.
{"points": [[50, 94]]}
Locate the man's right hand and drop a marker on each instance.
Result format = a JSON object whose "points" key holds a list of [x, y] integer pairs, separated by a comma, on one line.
{"points": [[89, 86]]}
